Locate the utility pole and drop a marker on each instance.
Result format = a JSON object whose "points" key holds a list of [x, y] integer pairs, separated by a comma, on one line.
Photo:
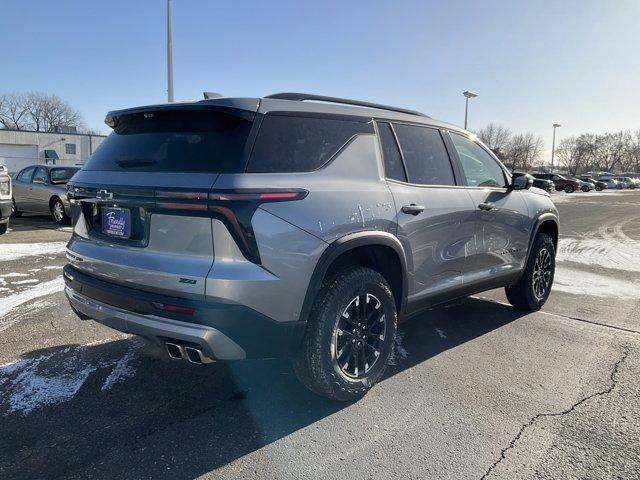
{"points": [[553, 144], [169, 55]]}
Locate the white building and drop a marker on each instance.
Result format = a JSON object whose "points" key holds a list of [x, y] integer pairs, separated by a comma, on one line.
{"points": [[19, 148]]}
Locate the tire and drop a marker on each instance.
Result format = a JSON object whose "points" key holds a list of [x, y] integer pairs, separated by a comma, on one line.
{"points": [[319, 363], [569, 188], [58, 214], [598, 188], [527, 294], [3, 228], [14, 210], [584, 189]]}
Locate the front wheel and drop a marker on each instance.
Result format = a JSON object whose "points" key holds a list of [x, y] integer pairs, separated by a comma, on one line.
{"points": [[584, 189], [534, 287], [3, 228], [569, 188], [350, 335], [598, 188], [57, 212]]}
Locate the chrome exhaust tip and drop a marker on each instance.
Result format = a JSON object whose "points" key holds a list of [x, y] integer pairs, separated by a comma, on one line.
{"points": [[196, 355], [175, 351]]}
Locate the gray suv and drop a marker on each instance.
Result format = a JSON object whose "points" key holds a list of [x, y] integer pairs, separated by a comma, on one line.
{"points": [[296, 226]]}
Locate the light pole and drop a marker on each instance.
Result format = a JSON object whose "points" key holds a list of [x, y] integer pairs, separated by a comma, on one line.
{"points": [[169, 55], [553, 144], [468, 94]]}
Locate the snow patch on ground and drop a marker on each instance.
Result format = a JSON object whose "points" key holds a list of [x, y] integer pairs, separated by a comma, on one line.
{"points": [[45, 288], [609, 247], [31, 383], [399, 352], [24, 282], [579, 282], [13, 251]]}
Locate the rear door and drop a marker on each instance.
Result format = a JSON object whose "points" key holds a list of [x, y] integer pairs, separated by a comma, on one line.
{"points": [[436, 218], [141, 214], [503, 224], [21, 187]]}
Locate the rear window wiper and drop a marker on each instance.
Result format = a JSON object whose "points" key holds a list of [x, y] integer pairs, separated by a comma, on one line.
{"points": [[135, 162]]}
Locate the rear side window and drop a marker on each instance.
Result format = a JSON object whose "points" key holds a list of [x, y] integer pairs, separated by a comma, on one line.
{"points": [[392, 159], [300, 144], [174, 141], [425, 155], [26, 175]]}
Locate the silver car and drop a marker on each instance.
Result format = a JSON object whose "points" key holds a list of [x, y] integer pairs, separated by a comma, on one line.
{"points": [[296, 225], [43, 189]]}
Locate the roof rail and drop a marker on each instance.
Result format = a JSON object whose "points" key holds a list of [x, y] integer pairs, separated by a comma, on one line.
{"points": [[321, 98]]}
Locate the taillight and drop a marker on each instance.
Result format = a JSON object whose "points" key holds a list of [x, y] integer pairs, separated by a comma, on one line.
{"points": [[234, 208]]}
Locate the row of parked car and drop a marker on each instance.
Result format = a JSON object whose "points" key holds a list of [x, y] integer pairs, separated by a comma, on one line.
{"points": [[556, 182]]}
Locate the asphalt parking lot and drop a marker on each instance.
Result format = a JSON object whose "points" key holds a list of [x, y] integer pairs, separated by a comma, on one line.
{"points": [[476, 390]]}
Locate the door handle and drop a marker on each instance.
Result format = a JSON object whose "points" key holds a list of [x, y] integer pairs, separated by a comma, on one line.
{"points": [[413, 209], [487, 206]]}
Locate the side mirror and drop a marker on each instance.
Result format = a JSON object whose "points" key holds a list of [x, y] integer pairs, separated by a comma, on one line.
{"points": [[521, 181]]}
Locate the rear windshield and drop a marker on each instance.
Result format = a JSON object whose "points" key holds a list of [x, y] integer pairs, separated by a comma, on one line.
{"points": [[61, 175], [174, 141]]}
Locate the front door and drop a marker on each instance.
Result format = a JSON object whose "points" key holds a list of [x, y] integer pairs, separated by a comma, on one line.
{"points": [[503, 225], [21, 188], [435, 217]]}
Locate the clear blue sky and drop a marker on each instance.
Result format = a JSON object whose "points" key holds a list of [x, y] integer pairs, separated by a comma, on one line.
{"points": [[533, 62]]}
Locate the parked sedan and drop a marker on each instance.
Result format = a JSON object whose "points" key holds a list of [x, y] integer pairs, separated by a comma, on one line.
{"points": [[585, 186], [42, 189], [629, 182], [597, 183], [547, 185], [561, 183], [611, 183]]}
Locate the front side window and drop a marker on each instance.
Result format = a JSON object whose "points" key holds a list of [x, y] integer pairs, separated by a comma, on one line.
{"points": [[392, 159], [40, 176], [425, 155], [480, 168], [300, 144]]}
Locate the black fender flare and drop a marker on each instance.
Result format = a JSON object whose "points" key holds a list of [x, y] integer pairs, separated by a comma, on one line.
{"points": [[536, 227], [343, 245]]}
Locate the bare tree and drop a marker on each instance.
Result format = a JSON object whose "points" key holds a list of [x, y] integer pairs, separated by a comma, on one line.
{"points": [[38, 111], [13, 111], [496, 137], [523, 150], [570, 155]]}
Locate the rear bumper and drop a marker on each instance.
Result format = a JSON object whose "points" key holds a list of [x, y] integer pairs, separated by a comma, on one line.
{"points": [[5, 210], [223, 331]]}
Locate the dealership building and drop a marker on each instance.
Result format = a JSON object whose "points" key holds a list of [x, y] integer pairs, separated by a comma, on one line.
{"points": [[19, 148]]}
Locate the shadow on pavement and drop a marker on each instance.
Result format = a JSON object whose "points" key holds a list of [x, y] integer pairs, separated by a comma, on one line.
{"points": [[169, 419]]}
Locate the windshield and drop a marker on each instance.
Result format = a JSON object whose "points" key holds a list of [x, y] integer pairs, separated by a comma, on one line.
{"points": [[61, 175], [174, 141]]}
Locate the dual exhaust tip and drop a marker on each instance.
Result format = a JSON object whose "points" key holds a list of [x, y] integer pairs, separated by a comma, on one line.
{"points": [[186, 352]]}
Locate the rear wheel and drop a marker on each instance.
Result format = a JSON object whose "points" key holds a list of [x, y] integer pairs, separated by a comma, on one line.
{"points": [[598, 188], [14, 210], [3, 228], [350, 335], [584, 188], [57, 211], [533, 289], [569, 188]]}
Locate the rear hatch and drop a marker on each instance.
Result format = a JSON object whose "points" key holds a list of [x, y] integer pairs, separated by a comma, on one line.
{"points": [[140, 204]]}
